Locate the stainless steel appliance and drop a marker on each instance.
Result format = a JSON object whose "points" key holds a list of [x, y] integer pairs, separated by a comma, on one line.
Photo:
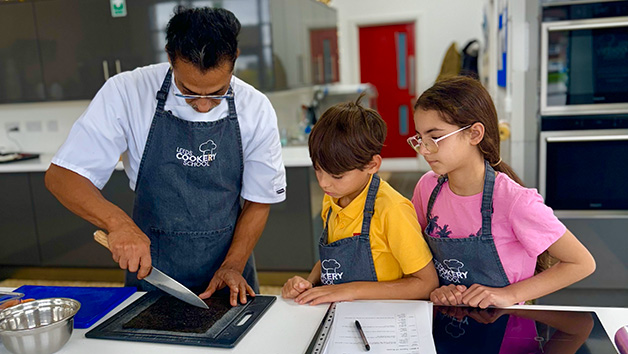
{"points": [[583, 66], [585, 171]]}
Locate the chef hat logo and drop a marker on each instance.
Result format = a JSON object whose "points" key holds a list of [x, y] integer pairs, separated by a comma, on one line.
{"points": [[207, 147], [330, 264]]}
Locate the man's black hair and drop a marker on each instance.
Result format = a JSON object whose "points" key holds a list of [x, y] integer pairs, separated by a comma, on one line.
{"points": [[205, 37]]}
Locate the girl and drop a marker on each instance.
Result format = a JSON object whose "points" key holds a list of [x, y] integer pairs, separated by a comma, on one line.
{"points": [[485, 230]]}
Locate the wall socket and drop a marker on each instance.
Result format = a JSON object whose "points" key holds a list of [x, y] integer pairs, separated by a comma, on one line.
{"points": [[33, 126], [12, 126]]}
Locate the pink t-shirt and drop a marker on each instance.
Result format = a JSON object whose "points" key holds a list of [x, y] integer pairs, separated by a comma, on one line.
{"points": [[523, 226]]}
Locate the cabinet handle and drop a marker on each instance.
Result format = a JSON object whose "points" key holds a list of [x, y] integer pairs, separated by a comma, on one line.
{"points": [[105, 69], [118, 66]]}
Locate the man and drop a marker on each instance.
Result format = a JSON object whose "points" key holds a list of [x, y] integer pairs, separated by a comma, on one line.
{"points": [[193, 139]]}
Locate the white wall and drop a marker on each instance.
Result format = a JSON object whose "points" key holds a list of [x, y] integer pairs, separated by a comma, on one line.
{"points": [[437, 23], [43, 126]]}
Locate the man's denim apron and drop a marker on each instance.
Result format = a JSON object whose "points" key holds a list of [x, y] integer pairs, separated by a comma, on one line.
{"points": [[187, 195], [350, 259], [467, 260]]}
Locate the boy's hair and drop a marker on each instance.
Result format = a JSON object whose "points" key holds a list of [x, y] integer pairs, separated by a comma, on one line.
{"points": [[206, 37], [346, 137], [462, 101]]}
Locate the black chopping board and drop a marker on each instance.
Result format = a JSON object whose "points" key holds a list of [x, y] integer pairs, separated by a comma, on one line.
{"points": [[158, 318]]}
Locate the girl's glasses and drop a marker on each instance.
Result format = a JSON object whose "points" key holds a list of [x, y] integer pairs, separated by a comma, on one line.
{"points": [[229, 94], [430, 144]]}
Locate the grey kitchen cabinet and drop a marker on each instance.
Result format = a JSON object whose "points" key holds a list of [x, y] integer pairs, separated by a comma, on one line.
{"points": [[290, 239], [66, 49], [37, 230], [21, 77], [18, 235], [65, 240], [82, 44]]}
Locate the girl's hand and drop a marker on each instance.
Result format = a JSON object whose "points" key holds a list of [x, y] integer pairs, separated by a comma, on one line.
{"points": [[327, 293], [449, 295], [482, 296], [295, 286]]}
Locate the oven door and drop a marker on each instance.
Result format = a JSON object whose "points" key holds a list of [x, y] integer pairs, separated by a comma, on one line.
{"points": [[583, 66], [586, 171]]}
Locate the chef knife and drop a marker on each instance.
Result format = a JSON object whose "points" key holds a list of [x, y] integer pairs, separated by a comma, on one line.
{"points": [[161, 280]]}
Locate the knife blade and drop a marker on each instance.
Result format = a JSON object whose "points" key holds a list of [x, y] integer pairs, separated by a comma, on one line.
{"points": [[160, 280]]}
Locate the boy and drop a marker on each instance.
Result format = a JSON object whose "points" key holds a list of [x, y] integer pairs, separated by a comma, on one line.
{"points": [[372, 246]]}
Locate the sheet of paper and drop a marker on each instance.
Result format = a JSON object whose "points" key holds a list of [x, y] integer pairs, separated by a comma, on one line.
{"points": [[389, 327]]}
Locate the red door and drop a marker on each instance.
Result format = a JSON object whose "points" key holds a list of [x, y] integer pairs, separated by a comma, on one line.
{"points": [[387, 62]]}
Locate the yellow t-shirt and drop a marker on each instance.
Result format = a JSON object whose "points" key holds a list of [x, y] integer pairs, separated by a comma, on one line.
{"points": [[397, 244]]}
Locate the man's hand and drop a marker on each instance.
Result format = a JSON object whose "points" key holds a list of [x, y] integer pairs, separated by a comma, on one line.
{"points": [[234, 280], [449, 295], [130, 248], [295, 286]]}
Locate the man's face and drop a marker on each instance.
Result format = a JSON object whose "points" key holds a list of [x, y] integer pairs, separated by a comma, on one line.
{"points": [[192, 81]]}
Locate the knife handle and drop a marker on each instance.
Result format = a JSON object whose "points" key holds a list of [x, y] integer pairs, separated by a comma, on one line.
{"points": [[101, 237]]}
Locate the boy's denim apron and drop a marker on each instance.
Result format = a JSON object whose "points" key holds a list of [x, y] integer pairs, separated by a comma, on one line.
{"points": [[350, 259], [467, 260], [187, 195]]}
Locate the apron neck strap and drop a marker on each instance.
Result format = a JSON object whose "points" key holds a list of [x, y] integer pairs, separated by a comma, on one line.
{"points": [[430, 204], [163, 91], [487, 198], [369, 205]]}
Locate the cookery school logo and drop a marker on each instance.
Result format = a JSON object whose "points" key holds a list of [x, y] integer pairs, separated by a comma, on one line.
{"points": [[207, 155], [450, 270], [330, 271]]}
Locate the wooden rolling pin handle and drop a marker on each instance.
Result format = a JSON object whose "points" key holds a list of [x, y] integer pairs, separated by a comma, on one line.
{"points": [[101, 237]]}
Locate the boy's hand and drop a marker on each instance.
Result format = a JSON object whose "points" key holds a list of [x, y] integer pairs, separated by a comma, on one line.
{"points": [[449, 295], [295, 286], [482, 296], [327, 293]]}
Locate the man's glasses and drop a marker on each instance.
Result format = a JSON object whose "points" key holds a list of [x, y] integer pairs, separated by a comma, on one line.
{"points": [[229, 94], [430, 144]]}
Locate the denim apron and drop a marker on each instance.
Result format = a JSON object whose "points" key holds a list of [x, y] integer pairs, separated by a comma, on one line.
{"points": [[467, 260], [187, 195], [350, 259]]}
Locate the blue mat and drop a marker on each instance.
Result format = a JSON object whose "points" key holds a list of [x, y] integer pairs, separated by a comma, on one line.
{"points": [[95, 301]]}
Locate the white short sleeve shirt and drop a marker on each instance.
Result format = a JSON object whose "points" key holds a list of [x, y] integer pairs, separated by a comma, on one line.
{"points": [[117, 122]]}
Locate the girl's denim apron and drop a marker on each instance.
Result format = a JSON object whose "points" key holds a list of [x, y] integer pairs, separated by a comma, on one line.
{"points": [[350, 259], [467, 260], [187, 195]]}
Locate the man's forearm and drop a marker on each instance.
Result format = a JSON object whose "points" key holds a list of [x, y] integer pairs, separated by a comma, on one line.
{"points": [[81, 197], [248, 230]]}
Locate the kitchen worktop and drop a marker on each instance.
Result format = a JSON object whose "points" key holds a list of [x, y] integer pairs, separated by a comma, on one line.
{"points": [[293, 156], [285, 328]]}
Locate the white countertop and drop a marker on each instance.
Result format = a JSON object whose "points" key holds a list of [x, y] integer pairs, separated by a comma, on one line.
{"points": [[293, 156], [284, 328]]}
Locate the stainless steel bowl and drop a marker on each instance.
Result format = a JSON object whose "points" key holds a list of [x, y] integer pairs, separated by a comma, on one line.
{"points": [[38, 327]]}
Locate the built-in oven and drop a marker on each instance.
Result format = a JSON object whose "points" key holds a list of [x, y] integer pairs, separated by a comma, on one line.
{"points": [[585, 171], [583, 65]]}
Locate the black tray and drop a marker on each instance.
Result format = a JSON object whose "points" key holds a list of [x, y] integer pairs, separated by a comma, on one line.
{"points": [[225, 333], [17, 156]]}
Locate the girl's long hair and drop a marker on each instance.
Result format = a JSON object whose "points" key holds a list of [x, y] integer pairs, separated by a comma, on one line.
{"points": [[462, 101]]}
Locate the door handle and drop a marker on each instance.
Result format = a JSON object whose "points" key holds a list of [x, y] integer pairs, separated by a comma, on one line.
{"points": [[105, 69], [118, 66], [571, 139]]}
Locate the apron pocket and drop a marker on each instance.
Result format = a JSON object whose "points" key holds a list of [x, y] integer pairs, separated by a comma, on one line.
{"points": [[191, 257]]}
